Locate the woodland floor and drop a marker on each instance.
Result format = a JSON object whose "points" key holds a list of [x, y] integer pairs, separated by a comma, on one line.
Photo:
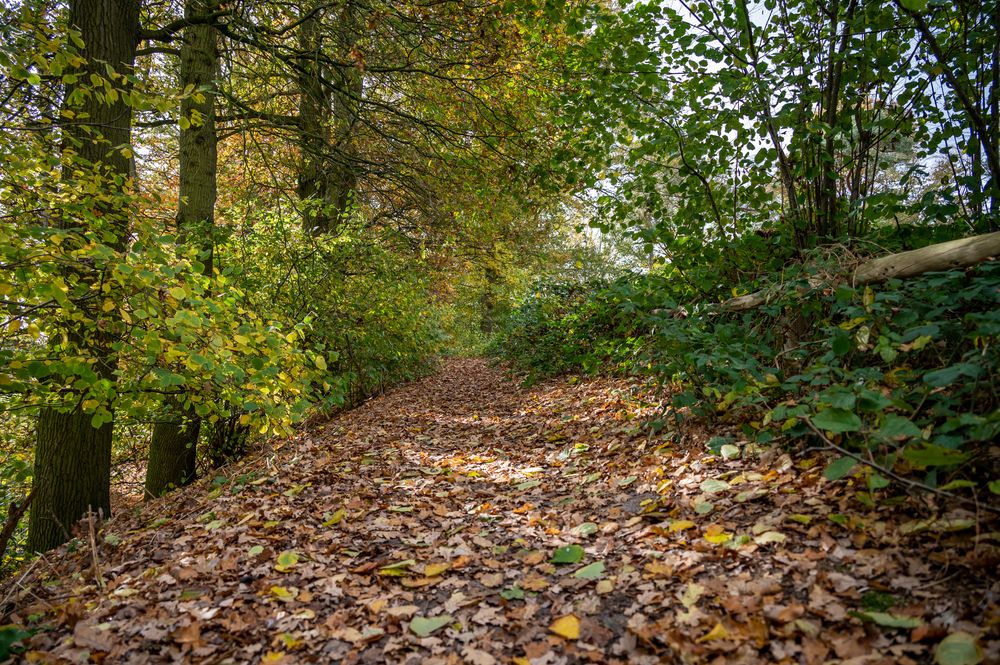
{"points": [[426, 527]]}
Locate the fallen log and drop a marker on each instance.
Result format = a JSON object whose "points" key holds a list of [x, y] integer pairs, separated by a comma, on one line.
{"points": [[940, 256]]}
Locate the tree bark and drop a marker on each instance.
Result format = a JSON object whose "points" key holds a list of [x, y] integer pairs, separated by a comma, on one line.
{"points": [[314, 123], [329, 102], [173, 447], [73, 458], [942, 256]]}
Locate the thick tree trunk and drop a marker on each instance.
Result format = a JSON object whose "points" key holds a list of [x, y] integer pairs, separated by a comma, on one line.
{"points": [[314, 124], [72, 458], [329, 100], [172, 456], [72, 476], [173, 447]]}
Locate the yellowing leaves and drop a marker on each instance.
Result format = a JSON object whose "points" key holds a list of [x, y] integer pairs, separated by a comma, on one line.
{"points": [[692, 592], [335, 519], [680, 525], [284, 594], [435, 569], [716, 534], [567, 627], [719, 632], [286, 561], [659, 569]]}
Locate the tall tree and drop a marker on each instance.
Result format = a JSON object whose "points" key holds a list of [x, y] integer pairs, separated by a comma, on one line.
{"points": [[329, 91], [173, 447], [73, 451]]}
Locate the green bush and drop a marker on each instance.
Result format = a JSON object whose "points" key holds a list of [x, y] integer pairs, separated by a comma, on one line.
{"points": [[903, 374]]}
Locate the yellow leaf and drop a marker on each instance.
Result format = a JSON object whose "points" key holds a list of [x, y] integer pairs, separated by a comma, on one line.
{"points": [[680, 525], [717, 633], [717, 534], [273, 657], [567, 627], [417, 582], [108, 305], [435, 569], [284, 593], [659, 569], [335, 518], [286, 561]]}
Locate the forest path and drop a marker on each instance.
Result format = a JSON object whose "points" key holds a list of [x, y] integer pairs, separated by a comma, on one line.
{"points": [[462, 518]]}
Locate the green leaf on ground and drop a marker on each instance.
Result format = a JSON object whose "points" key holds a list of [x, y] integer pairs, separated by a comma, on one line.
{"points": [[568, 554], [958, 649], [512, 593], [887, 620], [591, 571], [424, 626], [713, 486]]}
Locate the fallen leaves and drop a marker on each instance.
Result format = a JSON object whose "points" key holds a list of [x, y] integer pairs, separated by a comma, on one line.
{"points": [[567, 627], [718, 632], [463, 515], [591, 571]]}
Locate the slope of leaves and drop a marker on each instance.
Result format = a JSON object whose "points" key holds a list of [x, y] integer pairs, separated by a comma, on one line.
{"points": [[461, 518], [902, 373]]}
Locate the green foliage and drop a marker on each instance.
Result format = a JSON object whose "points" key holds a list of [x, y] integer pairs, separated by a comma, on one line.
{"points": [[10, 638], [370, 322], [15, 483], [904, 375], [563, 326]]}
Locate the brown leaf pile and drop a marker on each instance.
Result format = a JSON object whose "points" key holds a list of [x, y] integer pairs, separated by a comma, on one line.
{"points": [[437, 524]]}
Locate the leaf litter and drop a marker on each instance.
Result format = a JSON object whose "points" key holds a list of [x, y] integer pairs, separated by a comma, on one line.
{"points": [[462, 518]]}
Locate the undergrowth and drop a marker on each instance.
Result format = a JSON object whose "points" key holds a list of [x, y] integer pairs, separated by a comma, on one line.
{"points": [[900, 375]]}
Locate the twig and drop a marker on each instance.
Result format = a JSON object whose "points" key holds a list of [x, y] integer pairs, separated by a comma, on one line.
{"points": [[16, 586], [13, 517], [93, 550], [895, 476]]}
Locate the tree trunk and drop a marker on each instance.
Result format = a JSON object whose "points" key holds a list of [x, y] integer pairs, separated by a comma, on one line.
{"points": [[73, 458], [941, 256], [329, 100], [314, 123], [72, 476], [173, 447], [172, 456]]}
